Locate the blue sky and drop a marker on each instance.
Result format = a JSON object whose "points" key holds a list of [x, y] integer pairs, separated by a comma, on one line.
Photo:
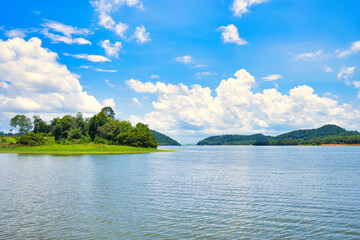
{"points": [[171, 64]]}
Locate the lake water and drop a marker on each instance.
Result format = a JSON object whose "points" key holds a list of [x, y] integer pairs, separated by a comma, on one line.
{"points": [[198, 192]]}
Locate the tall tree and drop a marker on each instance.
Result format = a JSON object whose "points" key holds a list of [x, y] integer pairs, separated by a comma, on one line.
{"points": [[22, 122], [109, 112]]}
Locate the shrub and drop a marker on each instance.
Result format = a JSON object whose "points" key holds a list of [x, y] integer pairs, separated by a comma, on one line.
{"points": [[31, 139]]}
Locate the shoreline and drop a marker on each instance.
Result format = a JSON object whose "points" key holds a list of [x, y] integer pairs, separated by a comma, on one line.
{"points": [[79, 149]]}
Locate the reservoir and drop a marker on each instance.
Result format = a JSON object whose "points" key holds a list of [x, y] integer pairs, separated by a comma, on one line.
{"points": [[227, 192]]}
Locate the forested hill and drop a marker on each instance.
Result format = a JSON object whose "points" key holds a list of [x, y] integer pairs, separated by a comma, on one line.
{"points": [[235, 139], [324, 131], [164, 140], [260, 139]]}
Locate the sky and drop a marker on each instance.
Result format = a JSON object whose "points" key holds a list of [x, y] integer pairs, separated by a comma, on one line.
{"points": [[189, 69]]}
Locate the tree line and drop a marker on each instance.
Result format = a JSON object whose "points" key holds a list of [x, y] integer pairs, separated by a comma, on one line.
{"points": [[101, 128]]}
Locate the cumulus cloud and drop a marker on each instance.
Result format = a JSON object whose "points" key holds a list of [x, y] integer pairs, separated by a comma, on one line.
{"points": [[106, 7], [199, 75], [141, 35], [230, 34], [34, 82], [184, 59], [67, 31], [91, 58], [272, 77], [355, 48], [309, 55], [109, 102], [236, 108], [240, 7], [120, 29], [111, 50]]}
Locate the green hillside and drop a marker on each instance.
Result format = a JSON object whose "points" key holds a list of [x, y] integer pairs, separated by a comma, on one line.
{"points": [[164, 140], [235, 139], [326, 133]]}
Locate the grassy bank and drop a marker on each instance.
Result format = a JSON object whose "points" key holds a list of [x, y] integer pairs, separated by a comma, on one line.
{"points": [[76, 149]]}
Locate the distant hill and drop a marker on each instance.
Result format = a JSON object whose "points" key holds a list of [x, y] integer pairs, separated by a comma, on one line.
{"points": [[285, 139], [2, 134], [324, 131], [164, 140], [235, 139]]}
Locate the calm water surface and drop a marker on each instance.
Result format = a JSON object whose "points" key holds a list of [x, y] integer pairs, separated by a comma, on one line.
{"points": [[199, 192]]}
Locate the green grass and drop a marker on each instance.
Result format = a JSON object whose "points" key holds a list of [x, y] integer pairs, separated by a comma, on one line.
{"points": [[76, 149]]}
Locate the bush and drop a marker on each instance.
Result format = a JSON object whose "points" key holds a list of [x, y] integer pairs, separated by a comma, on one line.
{"points": [[100, 141], [75, 134], [85, 139], [31, 139]]}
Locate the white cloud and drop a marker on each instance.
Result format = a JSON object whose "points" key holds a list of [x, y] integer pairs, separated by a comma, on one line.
{"points": [[199, 75], [109, 83], [16, 33], [111, 50], [106, 7], [355, 48], [240, 7], [37, 83], [69, 40], [230, 34], [154, 76], [272, 77], [136, 102], [109, 103], [105, 70], [181, 110], [346, 73], [184, 59], [91, 58], [149, 87], [141, 35], [327, 68], [200, 66], [67, 31], [308, 55], [120, 29]]}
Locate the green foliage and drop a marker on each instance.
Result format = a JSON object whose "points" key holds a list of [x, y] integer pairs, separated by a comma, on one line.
{"points": [[74, 134], [235, 140], [102, 128], [109, 112], [328, 134], [39, 125], [164, 140], [95, 122], [324, 131], [58, 132], [22, 122], [31, 139]]}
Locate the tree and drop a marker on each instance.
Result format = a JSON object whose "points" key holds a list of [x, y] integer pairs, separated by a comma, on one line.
{"points": [[58, 132], [39, 125], [95, 122], [109, 112], [22, 122]]}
